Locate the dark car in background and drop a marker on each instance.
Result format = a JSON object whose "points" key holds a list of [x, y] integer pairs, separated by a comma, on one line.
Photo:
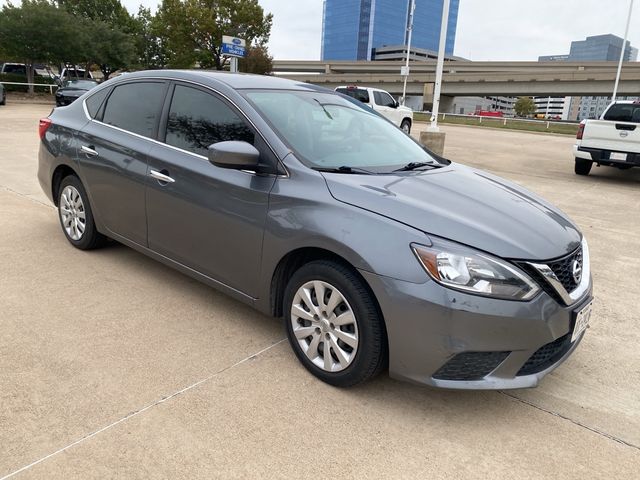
{"points": [[305, 205], [71, 90]]}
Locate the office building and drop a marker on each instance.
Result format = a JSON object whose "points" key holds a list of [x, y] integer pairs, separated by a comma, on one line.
{"points": [[352, 29], [593, 49]]}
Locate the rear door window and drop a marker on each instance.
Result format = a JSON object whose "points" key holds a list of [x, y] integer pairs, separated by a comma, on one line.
{"points": [[623, 112], [198, 119], [135, 107]]}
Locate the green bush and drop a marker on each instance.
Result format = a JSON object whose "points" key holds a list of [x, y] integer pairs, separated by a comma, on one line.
{"points": [[15, 77]]}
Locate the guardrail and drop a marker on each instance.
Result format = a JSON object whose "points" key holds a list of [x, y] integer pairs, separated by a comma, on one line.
{"points": [[50, 85], [560, 126]]}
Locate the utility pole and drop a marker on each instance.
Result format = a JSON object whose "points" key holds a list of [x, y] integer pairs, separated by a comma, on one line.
{"points": [[412, 7], [440, 66], [624, 47]]}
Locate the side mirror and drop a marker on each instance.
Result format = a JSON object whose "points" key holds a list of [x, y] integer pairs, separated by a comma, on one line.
{"points": [[395, 104], [235, 155]]}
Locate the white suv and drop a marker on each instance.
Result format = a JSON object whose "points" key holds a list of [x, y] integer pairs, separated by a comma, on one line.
{"points": [[383, 103]]}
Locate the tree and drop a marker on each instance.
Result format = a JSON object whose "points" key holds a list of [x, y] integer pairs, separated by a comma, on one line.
{"points": [[109, 32], [112, 12], [257, 60], [150, 50], [23, 29], [192, 29], [109, 48], [524, 106]]}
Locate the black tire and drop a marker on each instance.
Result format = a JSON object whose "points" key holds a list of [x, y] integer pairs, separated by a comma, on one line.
{"points": [[90, 238], [371, 354], [583, 167], [406, 124], [3, 100]]}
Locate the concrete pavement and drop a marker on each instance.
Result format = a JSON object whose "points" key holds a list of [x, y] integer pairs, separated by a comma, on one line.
{"points": [[112, 365]]}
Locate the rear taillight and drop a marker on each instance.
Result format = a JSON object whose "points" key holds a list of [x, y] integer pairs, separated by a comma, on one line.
{"points": [[580, 131], [44, 124]]}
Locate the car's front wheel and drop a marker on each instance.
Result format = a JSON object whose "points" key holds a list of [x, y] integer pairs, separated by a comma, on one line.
{"points": [[406, 126], [583, 167], [76, 217], [333, 324]]}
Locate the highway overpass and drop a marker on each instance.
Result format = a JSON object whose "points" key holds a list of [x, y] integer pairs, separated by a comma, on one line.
{"points": [[465, 78]]}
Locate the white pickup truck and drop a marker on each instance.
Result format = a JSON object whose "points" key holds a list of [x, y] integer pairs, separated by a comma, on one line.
{"points": [[383, 103], [613, 140]]}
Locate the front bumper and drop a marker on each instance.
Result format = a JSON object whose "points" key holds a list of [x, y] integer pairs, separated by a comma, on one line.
{"points": [[428, 326]]}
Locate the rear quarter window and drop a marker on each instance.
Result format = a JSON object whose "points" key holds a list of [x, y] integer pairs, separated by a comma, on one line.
{"points": [[623, 112], [95, 101], [357, 93]]}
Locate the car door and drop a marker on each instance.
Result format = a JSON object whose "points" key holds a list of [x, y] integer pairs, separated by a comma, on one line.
{"points": [[207, 218], [112, 152], [386, 106]]}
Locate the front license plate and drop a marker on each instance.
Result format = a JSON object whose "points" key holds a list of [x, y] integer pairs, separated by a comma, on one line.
{"points": [[582, 321], [622, 157]]}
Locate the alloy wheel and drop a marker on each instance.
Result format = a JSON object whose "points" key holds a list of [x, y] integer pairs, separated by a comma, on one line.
{"points": [[72, 213], [324, 326]]}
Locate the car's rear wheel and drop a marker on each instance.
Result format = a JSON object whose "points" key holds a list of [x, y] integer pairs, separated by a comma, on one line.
{"points": [[406, 126], [333, 324], [583, 167], [76, 217]]}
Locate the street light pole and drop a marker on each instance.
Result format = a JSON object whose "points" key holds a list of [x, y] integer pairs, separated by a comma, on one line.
{"points": [[624, 47], [440, 66], [412, 7]]}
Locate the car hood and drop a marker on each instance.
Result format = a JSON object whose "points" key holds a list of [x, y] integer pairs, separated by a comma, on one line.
{"points": [[465, 205]]}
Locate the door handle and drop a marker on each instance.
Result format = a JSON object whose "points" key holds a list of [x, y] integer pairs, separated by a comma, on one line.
{"points": [[89, 151], [161, 177]]}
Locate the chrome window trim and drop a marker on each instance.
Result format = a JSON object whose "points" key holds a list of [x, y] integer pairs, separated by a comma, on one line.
{"points": [[569, 298], [136, 80]]}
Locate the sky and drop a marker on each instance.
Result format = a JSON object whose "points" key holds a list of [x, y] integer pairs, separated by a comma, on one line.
{"points": [[487, 29]]}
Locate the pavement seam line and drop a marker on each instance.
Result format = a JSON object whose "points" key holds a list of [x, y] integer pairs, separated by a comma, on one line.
{"points": [[142, 410], [575, 422], [28, 197]]}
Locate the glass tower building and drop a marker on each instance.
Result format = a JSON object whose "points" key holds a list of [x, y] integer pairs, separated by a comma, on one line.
{"points": [[351, 29]]}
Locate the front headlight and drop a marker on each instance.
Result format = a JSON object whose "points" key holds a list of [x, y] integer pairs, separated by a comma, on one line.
{"points": [[462, 268]]}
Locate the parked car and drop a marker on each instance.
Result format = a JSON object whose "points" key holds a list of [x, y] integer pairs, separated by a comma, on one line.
{"points": [[310, 207], [71, 90], [3, 95], [613, 140], [383, 103], [73, 73], [21, 69], [489, 113]]}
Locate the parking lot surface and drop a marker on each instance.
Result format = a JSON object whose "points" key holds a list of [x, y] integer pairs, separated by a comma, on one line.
{"points": [[113, 365]]}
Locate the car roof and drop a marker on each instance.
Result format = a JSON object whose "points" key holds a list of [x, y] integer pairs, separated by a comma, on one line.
{"points": [[237, 81]]}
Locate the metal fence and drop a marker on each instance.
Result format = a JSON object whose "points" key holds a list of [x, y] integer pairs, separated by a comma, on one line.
{"points": [[503, 122], [51, 86]]}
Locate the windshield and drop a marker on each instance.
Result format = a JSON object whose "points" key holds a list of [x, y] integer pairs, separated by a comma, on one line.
{"points": [[80, 83], [328, 131]]}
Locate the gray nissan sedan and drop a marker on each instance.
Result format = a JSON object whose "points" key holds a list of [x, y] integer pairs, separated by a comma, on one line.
{"points": [[311, 207]]}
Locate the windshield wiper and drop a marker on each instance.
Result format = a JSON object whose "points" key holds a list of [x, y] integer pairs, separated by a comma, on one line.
{"points": [[414, 165], [345, 169]]}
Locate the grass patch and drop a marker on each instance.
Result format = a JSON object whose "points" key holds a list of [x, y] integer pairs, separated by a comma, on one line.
{"points": [[511, 124]]}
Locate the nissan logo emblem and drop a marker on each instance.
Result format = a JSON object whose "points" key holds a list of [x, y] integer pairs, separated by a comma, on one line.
{"points": [[576, 271], [624, 134]]}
